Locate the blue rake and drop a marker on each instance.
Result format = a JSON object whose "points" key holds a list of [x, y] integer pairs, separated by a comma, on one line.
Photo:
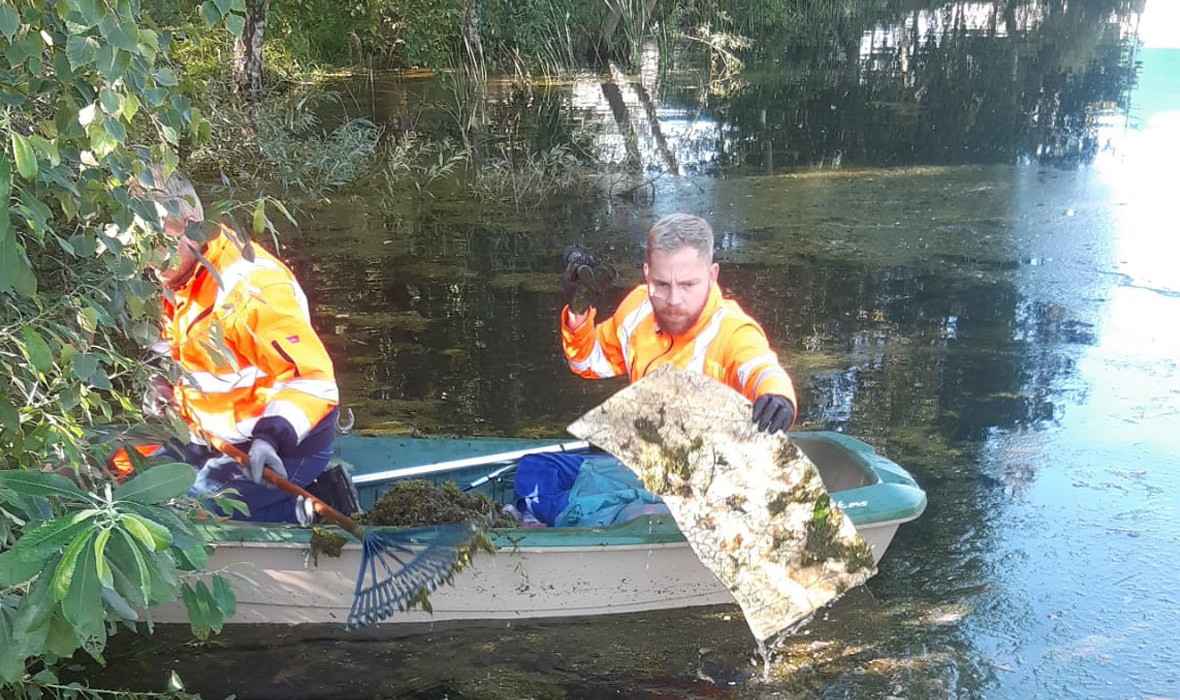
{"points": [[399, 567]]}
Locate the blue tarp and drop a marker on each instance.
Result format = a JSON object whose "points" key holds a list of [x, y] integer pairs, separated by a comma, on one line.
{"points": [[578, 491]]}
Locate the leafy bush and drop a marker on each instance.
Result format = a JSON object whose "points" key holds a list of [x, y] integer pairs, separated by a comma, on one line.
{"points": [[88, 98]]}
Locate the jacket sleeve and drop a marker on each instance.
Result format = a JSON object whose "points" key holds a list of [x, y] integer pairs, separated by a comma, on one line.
{"points": [[276, 336], [593, 350], [752, 367]]}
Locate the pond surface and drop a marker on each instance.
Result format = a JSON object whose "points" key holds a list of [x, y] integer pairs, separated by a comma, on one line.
{"points": [[988, 301]]}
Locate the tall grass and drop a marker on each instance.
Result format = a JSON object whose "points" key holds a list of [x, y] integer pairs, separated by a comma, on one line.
{"points": [[276, 142]]}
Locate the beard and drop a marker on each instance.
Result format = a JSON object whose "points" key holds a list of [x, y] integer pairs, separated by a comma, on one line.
{"points": [[674, 322]]}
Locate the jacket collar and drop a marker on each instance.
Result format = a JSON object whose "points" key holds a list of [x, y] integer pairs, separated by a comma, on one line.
{"points": [[215, 251]]}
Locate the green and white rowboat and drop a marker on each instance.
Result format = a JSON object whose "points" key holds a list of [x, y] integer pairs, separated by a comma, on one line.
{"points": [[641, 565]]}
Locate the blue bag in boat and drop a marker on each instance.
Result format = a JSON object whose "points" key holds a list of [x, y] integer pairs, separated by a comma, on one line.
{"points": [[607, 493], [543, 482]]}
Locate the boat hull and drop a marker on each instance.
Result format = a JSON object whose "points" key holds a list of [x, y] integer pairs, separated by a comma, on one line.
{"points": [[637, 566], [278, 583]]}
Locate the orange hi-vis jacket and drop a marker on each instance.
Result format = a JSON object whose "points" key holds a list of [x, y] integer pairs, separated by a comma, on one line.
{"points": [[252, 366], [724, 343]]}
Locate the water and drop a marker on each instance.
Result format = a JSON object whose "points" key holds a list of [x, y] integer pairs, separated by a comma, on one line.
{"points": [[987, 298]]}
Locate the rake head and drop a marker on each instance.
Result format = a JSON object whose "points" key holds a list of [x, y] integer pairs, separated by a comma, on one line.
{"points": [[400, 568]]}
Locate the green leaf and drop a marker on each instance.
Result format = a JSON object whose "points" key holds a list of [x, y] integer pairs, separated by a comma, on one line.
{"points": [[46, 148], [82, 604], [9, 21], [35, 211], [153, 535], [90, 11], [224, 6], [29, 622], [117, 604], [127, 559], [102, 568], [192, 558], [63, 575], [15, 570], [129, 108], [203, 613], [5, 191], [12, 665], [81, 50], [106, 59], [163, 573], [32, 483], [62, 639], [224, 595], [37, 350], [126, 36], [165, 77], [157, 484], [212, 611], [196, 616], [44, 541], [283, 210], [83, 365], [184, 535], [9, 416], [260, 218], [235, 23], [26, 282], [109, 99], [26, 160], [210, 13]]}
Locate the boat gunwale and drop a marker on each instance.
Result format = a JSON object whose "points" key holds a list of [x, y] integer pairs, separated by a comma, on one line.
{"points": [[906, 501]]}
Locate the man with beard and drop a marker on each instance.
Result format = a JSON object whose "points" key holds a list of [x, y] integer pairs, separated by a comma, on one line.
{"points": [[678, 316], [252, 371]]}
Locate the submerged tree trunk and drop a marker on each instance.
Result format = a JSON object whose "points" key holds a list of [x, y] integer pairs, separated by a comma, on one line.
{"points": [[618, 107], [247, 63]]}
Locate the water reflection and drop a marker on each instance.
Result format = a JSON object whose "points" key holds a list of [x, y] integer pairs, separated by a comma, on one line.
{"points": [[1004, 329]]}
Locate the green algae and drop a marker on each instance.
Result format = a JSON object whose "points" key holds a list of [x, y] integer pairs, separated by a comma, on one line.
{"points": [[329, 544], [417, 502]]}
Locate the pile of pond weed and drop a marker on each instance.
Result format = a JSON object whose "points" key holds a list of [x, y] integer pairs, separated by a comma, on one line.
{"points": [[417, 502]]}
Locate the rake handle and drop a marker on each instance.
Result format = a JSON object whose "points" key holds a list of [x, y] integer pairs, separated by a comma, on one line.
{"points": [[271, 476]]}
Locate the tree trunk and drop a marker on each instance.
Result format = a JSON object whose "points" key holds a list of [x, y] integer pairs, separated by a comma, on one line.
{"points": [[472, 45], [600, 51], [247, 67]]}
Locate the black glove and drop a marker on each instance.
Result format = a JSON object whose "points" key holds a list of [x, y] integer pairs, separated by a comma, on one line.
{"points": [[574, 259], [585, 279], [773, 412]]}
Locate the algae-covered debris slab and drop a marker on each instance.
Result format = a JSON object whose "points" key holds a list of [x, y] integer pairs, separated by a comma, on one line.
{"points": [[752, 505]]}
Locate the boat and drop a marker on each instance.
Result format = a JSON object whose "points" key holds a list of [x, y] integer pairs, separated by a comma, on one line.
{"points": [[548, 572]]}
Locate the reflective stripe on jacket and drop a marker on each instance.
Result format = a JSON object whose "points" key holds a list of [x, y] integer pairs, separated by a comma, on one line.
{"points": [[252, 364], [724, 344]]}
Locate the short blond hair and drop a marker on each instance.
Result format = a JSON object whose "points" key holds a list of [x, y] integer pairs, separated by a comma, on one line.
{"points": [[676, 231], [175, 193]]}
